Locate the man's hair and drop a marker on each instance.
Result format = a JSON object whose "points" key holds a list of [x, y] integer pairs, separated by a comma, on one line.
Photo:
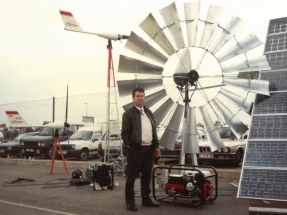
{"points": [[139, 89]]}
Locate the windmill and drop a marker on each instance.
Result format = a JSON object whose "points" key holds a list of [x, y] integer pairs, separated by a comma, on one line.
{"points": [[169, 66], [72, 25]]}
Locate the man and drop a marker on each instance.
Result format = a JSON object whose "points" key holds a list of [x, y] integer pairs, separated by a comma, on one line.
{"points": [[141, 144]]}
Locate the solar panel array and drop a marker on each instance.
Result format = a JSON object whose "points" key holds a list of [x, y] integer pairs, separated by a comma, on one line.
{"points": [[264, 171]]}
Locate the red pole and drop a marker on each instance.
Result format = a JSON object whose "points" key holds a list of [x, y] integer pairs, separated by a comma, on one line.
{"points": [[57, 143]]}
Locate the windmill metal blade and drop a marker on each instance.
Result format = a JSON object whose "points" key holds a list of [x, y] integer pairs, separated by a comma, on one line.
{"points": [[125, 87], [190, 136], [184, 63], [155, 32], [162, 111], [211, 132], [255, 64], [191, 10], [131, 65], [241, 102], [248, 43], [171, 19], [138, 45], [256, 86], [237, 127], [169, 136], [213, 16], [232, 27], [150, 100]]}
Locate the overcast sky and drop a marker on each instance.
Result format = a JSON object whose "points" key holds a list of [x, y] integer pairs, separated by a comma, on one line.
{"points": [[38, 58]]}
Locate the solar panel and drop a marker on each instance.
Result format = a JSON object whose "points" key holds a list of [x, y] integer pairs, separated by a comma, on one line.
{"points": [[264, 171]]}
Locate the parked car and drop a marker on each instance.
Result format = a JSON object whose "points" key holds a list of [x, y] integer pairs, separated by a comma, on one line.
{"points": [[12, 148], [115, 146], [233, 150], [1, 137], [43, 143], [83, 143]]}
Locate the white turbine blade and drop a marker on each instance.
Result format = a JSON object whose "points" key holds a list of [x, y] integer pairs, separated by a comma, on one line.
{"points": [[241, 102], [191, 10], [184, 63], [171, 19], [141, 47], [255, 64], [256, 86], [237, 127], [232, 27], [162, 111], [211, 132], [155, 32], [55, 125], [126, 86], [69, 21], [150, 100], [169, 136], [213, 16], [190, 137], [248, 43], [131, 65]]}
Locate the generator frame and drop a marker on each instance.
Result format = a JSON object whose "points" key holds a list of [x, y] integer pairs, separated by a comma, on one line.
{"points": [[183, 199]]}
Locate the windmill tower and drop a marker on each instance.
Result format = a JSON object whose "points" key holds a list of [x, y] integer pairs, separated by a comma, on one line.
{"points": [[112, 114]]}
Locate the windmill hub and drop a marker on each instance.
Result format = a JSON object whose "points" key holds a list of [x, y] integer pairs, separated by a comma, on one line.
{"points": [[193, 77]]}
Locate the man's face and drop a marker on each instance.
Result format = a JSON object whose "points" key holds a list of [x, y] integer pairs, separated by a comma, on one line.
{"points": [[139, 99]]}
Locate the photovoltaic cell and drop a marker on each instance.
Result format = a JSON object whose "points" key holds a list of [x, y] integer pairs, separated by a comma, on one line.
{"points": [[277, 80], [275, 103]]}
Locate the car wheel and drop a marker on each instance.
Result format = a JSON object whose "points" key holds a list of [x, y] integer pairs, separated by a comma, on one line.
{"points": [[49, 152], [239, 157], [84, 155]]}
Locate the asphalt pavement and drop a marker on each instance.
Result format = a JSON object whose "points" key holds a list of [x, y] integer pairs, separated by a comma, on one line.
{"points": [[53, 194]]}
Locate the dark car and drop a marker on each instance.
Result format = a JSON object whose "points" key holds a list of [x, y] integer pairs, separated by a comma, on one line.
{"points": [[43, 143], [12, 148]]}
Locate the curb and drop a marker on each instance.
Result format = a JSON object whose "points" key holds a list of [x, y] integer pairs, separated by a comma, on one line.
{"points": [[232, 174]]}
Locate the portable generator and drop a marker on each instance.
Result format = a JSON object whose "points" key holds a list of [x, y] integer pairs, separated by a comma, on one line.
{"points": [[104, 176], [190, 186]]}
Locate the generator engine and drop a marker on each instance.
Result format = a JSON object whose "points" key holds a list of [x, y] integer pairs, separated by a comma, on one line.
{"points": [[191, 184]]}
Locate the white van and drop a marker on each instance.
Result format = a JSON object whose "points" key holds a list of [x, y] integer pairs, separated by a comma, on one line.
{"points": [[83, 143]]}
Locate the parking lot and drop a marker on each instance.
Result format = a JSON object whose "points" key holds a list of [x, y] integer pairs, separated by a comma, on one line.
{"points": [[52, 194]]}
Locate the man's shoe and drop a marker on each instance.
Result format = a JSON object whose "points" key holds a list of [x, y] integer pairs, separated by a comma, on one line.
{"points": [[149, 203], [132, 207]]}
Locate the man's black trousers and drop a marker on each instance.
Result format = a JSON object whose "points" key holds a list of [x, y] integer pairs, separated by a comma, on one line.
{"points": [[139, 161]]}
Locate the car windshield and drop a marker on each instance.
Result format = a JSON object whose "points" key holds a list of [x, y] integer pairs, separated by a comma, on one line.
{"points": [[49, 132], [113, 137], [82, 135], [226, 132]]}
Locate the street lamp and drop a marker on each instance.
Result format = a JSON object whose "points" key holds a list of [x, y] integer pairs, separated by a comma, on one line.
{"points": [[86, 108]]}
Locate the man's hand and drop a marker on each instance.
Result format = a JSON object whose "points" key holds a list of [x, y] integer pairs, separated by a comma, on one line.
{"points": [[157, 153], [125, 150]]}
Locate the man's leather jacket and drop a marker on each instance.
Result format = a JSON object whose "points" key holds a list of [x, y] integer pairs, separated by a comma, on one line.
{"points": [[132, 129]]}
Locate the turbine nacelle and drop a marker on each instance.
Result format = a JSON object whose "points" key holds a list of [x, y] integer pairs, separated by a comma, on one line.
{"points": [[182, 79]]}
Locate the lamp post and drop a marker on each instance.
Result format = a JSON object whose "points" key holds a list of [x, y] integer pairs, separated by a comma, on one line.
{"points": [[86, 108]]}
